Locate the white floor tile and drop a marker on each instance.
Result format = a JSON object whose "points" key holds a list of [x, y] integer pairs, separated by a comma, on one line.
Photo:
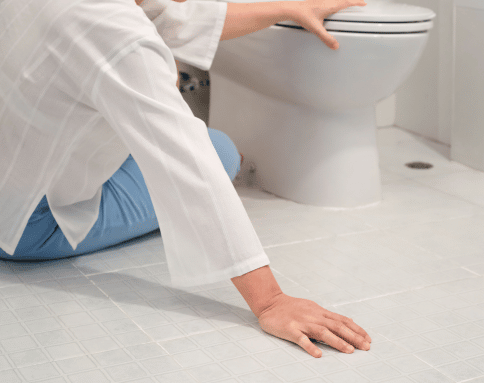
{"points": [[467, 185], [408, 203], [398, 148], [448, 238]]}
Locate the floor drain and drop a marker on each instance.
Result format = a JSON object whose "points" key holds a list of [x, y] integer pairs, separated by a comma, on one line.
{"points": [[419, 165]]}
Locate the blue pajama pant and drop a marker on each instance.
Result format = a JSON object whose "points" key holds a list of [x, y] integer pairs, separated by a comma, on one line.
{"points": [[125, 212]]}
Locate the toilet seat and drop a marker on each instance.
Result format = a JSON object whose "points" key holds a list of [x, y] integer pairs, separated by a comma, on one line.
{"points": [[378, 17], [368, 27]]}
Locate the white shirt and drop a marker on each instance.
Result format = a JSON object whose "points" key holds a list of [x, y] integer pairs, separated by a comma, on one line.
{"points": [[83, 83]]}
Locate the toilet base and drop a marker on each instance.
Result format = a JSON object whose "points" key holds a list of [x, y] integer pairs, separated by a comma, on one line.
{"points": [[326, 159]]}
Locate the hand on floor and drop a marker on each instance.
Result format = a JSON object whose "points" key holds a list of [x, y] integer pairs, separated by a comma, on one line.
{"points": [[297, 320]]}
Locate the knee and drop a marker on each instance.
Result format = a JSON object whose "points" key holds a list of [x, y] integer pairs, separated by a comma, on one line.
{"points": [[222, 142], [227, 152]]}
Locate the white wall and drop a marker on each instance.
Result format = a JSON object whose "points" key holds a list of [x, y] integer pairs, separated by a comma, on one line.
{"points": [[426, 93], [467, 145]]}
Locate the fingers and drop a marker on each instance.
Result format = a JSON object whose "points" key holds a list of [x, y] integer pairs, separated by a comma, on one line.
{"points": [[303, 341], [328, 39], [348, 322], [352, 325], [352, 3], [340, 5], [323, 334], [344, 332], [357, 2], [317, 28], [323, 34]]}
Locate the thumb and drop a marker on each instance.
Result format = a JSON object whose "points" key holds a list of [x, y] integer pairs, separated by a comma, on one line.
{"points": [[328, 39], [303, 341]]}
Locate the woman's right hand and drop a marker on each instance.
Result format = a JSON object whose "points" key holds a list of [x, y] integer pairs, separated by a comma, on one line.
{"points": [[298, 320], [310, 14]]}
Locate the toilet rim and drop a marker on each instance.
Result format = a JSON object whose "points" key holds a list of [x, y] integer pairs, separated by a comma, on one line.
{"points": [[368, 27]]}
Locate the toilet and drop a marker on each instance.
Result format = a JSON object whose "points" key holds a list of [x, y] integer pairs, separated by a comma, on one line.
{"points": [[305, 114]]}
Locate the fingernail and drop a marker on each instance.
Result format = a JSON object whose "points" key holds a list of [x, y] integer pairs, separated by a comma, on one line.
{"points": [[350, 349], [368, 338], [366, 345]]}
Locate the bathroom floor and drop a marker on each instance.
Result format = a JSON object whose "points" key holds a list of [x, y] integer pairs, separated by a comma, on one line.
{"points": [[409, 270]]}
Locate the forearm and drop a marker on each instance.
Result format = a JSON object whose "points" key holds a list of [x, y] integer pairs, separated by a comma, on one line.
{"points": [[245, 18], [258, 287]]}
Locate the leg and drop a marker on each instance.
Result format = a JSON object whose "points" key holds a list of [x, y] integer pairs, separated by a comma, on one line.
{"points": [[125, 212]]}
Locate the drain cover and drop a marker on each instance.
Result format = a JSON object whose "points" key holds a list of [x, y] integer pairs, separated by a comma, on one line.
{"points": [[419, 165]]}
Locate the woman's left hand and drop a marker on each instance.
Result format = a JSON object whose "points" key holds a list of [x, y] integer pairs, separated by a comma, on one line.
{"points": [[310, 14]]}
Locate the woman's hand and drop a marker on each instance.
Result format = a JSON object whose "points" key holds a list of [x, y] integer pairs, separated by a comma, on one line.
{"points": [[297, 320], [310, 14]]}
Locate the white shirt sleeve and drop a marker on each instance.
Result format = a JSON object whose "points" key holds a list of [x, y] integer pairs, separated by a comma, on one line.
{"points": [[191, 29], [207, 234]]}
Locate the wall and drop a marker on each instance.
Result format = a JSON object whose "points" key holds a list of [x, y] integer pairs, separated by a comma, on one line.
{"points": [[198, 100], [467, 144], [423, 101]]}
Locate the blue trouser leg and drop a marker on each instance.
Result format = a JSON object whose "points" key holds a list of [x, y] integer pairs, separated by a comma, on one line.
{"points": [[125, 212]]}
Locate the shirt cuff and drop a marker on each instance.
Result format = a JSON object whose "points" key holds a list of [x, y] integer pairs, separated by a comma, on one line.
{"points": [[216, 34], [236, 270], [192, 29]]}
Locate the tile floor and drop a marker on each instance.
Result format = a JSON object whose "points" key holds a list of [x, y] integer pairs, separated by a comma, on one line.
{"points": [[409, 270]]}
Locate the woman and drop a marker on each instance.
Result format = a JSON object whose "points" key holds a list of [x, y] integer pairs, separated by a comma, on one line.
{"points": [[88, 87]]}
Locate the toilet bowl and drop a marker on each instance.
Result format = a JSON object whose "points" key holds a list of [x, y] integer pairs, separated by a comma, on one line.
{"points": [[305, 114]]}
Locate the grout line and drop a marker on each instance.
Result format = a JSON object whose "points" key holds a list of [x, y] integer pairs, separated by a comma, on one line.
{"points": [[471, 379], [64, 327], [112, 336], [433, 367], [377, 296], [373, 229], [369, 230], [407, 290], [470, 271], [295, 242], [458, 197]]}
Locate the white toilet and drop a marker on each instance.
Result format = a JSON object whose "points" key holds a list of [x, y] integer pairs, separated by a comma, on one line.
{"points": [[305, 114]]}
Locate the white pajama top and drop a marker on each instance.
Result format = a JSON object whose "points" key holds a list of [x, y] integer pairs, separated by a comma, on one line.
{"points": [[84, 83]]}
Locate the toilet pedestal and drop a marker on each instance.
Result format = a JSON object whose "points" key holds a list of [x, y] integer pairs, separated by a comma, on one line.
{"points": [[309, 156]]}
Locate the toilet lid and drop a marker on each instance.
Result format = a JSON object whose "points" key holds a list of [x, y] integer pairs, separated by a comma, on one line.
{"points": [[383, 12]]}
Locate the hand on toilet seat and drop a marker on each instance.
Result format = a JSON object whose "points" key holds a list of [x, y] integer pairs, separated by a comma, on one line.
{"points": [[310, 14]]}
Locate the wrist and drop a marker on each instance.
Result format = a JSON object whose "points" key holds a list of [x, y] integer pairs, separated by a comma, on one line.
{"points": [[259, 288], [289, 9], [244, 18], [283, 10]]}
